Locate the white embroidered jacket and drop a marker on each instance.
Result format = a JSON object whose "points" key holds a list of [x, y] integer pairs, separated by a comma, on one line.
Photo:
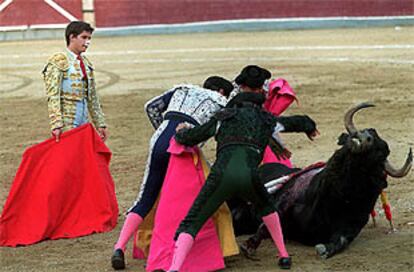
{"points": [[189, 101]]}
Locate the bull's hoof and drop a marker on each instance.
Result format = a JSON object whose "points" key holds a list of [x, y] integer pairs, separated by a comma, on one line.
{"points": [[322, 251], [285, 263], [248, 252]]}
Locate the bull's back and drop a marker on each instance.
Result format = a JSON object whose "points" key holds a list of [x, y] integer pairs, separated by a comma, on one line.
{"points": [[299, 207]]}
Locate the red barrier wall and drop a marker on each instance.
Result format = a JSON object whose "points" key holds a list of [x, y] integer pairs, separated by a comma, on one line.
{"points": [[110, 13], [38, 12], [132, 12]]}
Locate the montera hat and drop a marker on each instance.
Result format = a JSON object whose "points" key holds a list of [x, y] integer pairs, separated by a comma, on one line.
{"points": [[253, 76]]}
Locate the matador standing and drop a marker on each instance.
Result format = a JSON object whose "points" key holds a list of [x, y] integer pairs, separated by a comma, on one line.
{"points": [[70, 84]]}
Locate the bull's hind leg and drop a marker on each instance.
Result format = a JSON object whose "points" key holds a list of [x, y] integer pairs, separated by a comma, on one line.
{"points": [[249, 247]]}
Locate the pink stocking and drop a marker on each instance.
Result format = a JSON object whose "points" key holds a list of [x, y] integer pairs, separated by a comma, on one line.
{"points": [[130, 226], [182, 247], [272, 223]]}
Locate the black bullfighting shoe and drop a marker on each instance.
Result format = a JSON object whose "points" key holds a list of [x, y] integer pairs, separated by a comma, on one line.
{"points": [[118, 260], [285, 263]]}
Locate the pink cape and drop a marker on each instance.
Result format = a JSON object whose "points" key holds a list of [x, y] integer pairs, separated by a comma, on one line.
{"points": [[279, 98], [61, 190], [270, 157], [182, 183]]}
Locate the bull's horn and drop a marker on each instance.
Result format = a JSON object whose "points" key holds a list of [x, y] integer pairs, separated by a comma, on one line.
{"points": [[349, 124], [399, 173]]}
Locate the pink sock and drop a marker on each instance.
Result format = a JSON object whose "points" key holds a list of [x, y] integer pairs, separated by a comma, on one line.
{"points": [[272, 223], [182, 247], [130, 226]]}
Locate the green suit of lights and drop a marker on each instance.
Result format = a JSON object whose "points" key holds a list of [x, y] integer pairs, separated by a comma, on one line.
{"points": [[242, 131]]}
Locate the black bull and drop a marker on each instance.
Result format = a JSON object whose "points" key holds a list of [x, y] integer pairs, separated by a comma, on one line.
{"points": [[327, 207]]}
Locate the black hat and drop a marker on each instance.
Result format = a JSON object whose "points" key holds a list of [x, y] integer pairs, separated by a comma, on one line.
{"points": [[253, 76], [216, 83]]}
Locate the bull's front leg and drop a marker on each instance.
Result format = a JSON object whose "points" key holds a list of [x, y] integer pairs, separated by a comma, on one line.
{"points": [[328, 250], [347, 227], [250, 246], [345, 234]]}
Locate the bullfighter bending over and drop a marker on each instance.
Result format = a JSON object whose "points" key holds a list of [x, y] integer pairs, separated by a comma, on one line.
{"points": [[183, 103], [242, 131]]}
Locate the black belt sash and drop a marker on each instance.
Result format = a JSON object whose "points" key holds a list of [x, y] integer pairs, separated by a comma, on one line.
{"points": [[181, 117]]}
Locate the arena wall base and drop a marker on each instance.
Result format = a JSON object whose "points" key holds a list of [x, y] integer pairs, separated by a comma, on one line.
{"points": [[56, 32]]}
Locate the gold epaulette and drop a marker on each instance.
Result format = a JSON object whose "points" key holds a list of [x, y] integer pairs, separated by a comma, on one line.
{"points": [[88, 62], [60, 60]]}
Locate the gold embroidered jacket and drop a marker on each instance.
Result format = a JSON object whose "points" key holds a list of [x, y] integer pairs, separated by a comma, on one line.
{"points": [[69, 96]]}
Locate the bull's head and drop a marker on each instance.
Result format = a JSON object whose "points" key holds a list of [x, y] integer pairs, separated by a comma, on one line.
{"points": [[367, 141]]}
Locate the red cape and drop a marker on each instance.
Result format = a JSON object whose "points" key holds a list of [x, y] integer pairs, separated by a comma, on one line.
{"points": [[61, 190]]}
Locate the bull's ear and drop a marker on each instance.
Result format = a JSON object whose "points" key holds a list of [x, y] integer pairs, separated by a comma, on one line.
{"points": [[342, 138]]}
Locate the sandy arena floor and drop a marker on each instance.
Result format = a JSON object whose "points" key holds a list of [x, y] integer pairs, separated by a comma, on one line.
{"points": [[331, 70]]}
